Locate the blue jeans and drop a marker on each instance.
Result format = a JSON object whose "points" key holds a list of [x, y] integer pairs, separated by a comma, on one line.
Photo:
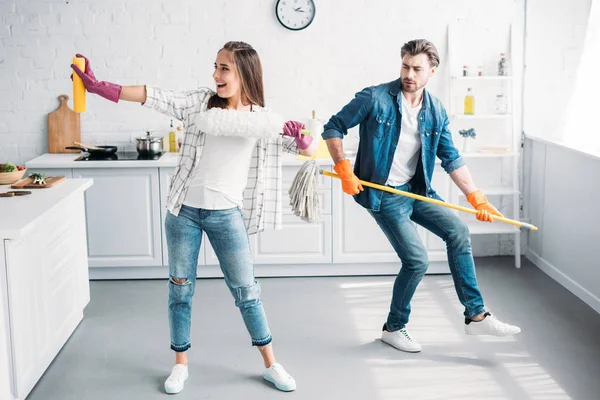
{"points": [[396, 218], [229, 239]]}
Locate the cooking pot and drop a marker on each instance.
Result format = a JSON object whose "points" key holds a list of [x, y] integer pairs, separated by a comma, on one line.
{"points": [[149, 145]]}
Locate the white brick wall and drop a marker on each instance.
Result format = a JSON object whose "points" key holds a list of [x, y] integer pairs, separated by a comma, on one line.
{"points": [[350, 45]]}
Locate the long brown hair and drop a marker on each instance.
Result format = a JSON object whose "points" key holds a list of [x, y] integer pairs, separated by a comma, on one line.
{"points": [[421, 46], [247, 63]]}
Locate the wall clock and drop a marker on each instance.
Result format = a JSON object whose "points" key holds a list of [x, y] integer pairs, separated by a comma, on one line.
{"points": [[295, 15]]}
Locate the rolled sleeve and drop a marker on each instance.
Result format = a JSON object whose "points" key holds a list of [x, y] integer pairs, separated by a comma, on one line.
{"points": [[332, 133], [446, 151], [179, 105], [351, 115], [451, 166]]}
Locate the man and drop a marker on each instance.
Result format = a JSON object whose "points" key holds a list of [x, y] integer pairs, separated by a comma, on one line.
{"points": [[402, 129]]}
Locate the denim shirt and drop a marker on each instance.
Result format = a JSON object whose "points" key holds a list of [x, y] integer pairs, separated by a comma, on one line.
{"points": [[378, 110]]}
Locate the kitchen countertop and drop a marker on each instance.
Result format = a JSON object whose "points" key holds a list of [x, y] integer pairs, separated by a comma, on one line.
{"points": [[168, 160], [19, 214]]}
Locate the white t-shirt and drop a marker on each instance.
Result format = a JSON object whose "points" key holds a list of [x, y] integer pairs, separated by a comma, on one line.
{"points": [[408, 149], [221, 175]]}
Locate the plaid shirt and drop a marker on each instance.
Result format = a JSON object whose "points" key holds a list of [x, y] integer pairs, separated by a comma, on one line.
{"points": [[262, 197]]}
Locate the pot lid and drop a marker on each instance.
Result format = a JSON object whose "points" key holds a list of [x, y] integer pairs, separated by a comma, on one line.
{"points": [[148, 138]]}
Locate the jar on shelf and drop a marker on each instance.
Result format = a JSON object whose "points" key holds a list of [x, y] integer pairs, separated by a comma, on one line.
{"points": [[501, 105], [503, 65], [465, 70], [480, 70]]}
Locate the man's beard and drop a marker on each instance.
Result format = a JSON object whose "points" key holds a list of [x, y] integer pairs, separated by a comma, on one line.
{"points": [[412, 88]]}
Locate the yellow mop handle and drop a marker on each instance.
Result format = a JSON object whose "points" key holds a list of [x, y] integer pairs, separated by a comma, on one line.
{"points": [[435, 201]]}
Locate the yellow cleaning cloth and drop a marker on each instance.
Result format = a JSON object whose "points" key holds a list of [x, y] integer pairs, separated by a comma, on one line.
{"points": [[322, 152]]}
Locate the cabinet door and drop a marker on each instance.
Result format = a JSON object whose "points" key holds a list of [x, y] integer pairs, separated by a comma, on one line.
{"points": [[47, 290], [436, 248], [166, 175], [123, 217], [358, 238], [6, 387], [298, 242], [27, 309]]}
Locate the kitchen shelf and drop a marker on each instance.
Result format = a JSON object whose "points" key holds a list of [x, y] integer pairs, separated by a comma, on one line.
{"points": [[482, 116], [486, 228], [489, 155], [496, 191], [489, 78], [499, 128]]}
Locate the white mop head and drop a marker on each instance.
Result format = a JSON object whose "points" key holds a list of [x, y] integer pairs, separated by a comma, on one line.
{"points": [[221, 122], [304, 198]]}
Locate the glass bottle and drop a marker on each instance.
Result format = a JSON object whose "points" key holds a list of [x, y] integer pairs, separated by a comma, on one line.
{"points": [[172, 140], [500, 104], [469, 103], [503, 65]]}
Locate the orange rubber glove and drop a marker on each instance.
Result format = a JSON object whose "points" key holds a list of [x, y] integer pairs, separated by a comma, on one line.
{"points": [[350, 182], [485, 211]]}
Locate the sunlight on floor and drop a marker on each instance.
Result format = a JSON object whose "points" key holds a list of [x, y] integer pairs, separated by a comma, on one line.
{"points": [[452, 365]]}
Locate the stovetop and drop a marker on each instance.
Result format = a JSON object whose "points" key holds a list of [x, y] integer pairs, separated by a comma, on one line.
{"points": [[124, 156]]}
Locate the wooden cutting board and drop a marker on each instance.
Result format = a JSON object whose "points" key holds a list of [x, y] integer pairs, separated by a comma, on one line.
{"points": [[28, 183], [63, 127]]}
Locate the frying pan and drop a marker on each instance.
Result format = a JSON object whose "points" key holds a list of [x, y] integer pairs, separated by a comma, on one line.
{"points": [[96, 151]]}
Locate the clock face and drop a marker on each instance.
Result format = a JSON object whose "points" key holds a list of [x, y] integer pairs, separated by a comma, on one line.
{"points": [[295, 14]]}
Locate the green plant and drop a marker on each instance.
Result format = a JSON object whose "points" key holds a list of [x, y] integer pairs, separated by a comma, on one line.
{"points": [[468, 133], [38, 179], [8, 167]]}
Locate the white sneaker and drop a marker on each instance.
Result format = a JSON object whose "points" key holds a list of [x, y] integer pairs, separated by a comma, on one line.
{"points": [[174, 383], [490, 325], [401, 340], [278, 376]]}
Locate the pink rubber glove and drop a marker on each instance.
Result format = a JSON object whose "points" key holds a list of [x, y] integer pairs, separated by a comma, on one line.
{"points": [[110, 91], [294, 129]]}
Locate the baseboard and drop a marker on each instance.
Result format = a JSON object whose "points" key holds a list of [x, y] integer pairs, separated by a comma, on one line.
{"points": [[266, 271], [585, 295]]}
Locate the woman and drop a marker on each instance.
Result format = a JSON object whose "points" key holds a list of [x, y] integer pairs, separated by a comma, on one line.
{"points": [[228, 133]]}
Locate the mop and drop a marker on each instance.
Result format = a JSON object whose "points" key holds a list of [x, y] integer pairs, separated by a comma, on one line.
{"points": [[305, 201], [304, 198]]}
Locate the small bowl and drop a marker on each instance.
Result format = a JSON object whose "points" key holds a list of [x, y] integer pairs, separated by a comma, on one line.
{"points": [[8, 178]]}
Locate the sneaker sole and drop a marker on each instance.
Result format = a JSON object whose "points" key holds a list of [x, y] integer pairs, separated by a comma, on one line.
{"points": [[172, 391], [491, 334], [283, 388], [401, 349]]}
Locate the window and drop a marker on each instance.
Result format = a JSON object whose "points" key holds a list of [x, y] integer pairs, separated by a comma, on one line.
{"points": [[581, 129]]}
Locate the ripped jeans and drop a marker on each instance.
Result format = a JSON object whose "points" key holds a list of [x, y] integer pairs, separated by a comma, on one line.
{"points": [[228, 236]]}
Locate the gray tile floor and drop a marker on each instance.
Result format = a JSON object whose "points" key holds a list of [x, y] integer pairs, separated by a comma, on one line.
{"points": [[326, 334]]}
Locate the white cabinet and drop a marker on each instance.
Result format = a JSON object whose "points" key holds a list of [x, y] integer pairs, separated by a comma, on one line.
{"points": [[359, 239], [123, 217], [126, 211], [436, 247], [5, 352], [166, 175], [46, 289], [298, 242]]}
